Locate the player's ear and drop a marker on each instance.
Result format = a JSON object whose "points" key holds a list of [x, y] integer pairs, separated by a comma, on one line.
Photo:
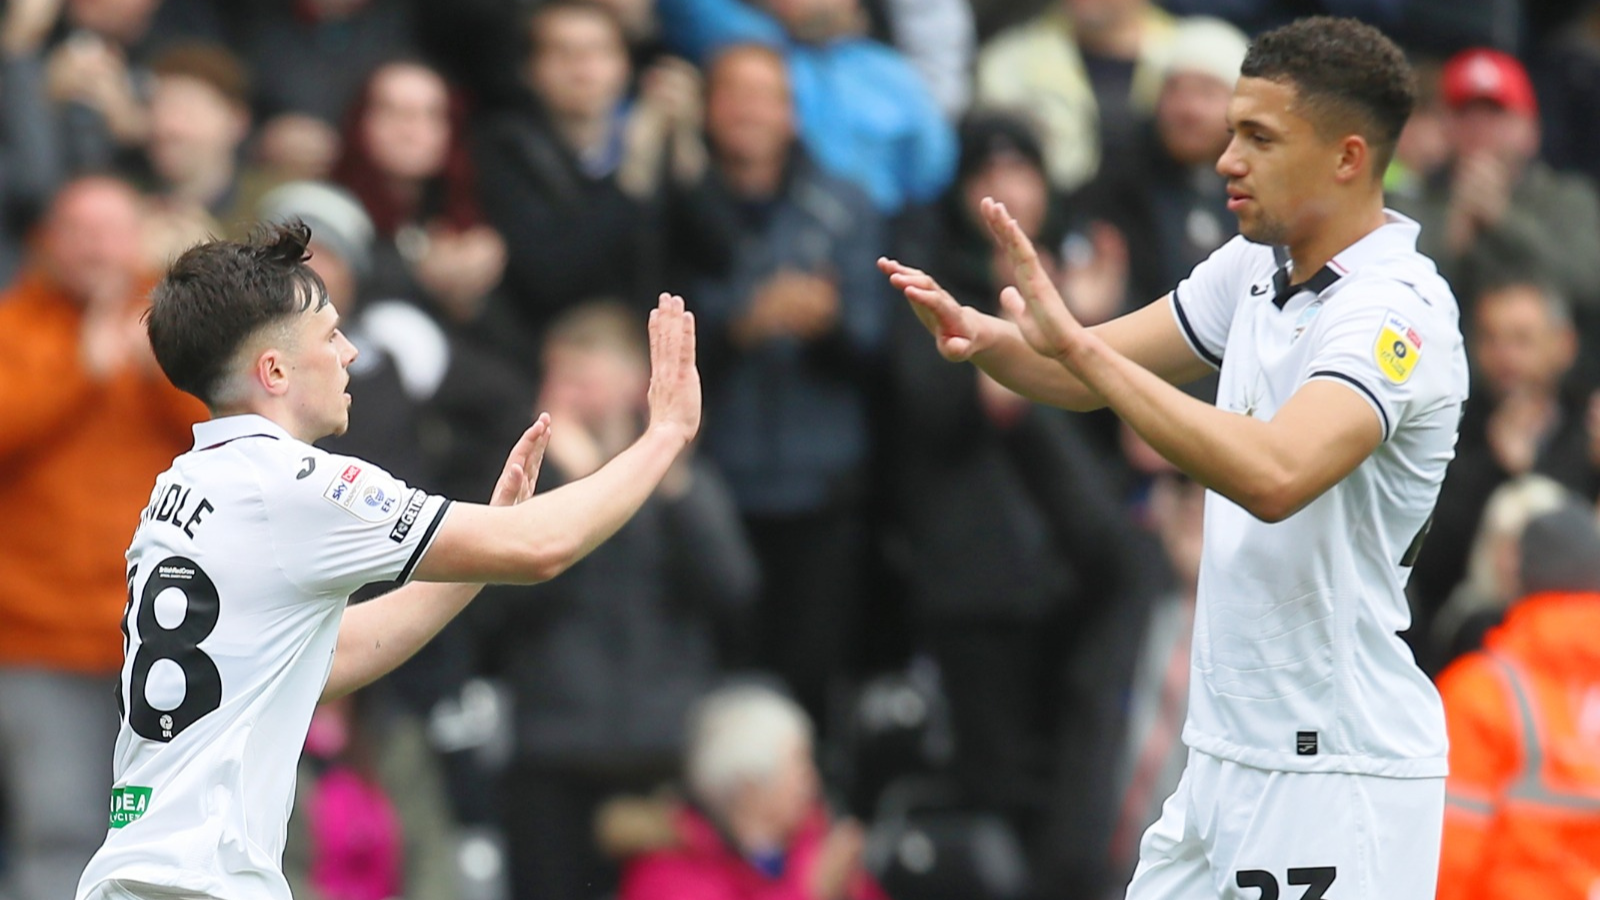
{"points": [[1355, 157], [271, 371]]}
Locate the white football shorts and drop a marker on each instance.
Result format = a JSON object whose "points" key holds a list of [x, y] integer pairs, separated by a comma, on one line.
{"points": [[1236, 832]]}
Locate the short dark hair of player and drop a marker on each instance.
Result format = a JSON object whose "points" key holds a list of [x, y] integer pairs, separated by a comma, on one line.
{"points": [[1351, 78], [219, 294]]}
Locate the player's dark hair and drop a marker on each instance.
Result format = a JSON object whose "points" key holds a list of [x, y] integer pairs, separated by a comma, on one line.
{"points": [[219, 293], [1349, 76]]}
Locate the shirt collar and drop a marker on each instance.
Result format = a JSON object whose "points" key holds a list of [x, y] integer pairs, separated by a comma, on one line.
{"points": [[215, 432], [1397, 232]]}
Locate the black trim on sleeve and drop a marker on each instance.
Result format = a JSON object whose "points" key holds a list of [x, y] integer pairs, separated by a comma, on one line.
{"points": [[1192, 336], [1382, 413], [422, 543]]}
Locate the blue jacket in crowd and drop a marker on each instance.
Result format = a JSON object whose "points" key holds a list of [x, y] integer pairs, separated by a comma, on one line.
{"points": [[864, 113]]}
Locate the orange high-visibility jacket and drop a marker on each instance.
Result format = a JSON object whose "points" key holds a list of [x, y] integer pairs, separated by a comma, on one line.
{"points": [[1522, 818]]}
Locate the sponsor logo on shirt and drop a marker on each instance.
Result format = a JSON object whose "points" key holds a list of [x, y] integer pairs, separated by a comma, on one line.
{"points": [[1398, 348], [128, 804], [371, 497], [408, 517], [1305, 743]]}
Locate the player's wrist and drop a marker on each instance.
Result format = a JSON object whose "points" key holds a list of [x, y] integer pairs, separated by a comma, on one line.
{"points": [[672, 434]]}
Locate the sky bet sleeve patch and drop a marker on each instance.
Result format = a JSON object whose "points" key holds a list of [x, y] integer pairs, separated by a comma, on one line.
{"points": [[364, 492], [1398, 348]]}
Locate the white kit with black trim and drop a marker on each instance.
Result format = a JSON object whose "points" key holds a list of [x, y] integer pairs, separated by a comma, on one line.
{"points": [[238, 577], [1297, 663]]}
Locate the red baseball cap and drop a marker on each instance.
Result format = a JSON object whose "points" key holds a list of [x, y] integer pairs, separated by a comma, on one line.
{"points": [[1483, 74]]}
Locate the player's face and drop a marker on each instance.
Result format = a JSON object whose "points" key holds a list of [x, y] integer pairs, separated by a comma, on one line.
{"points": [[317, 361], [1279, 169]]}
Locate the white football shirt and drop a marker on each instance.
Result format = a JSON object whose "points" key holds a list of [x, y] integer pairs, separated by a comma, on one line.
{"points": [[1297, 662], [238, 576]]}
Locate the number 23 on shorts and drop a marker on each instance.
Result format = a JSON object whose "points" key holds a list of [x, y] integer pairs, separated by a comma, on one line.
{"points": [[1316, 880]]}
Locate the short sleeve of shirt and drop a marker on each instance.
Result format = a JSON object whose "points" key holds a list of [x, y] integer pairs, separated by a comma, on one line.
{"points": [[1377, 340], [350, 523], [1204, 302]]}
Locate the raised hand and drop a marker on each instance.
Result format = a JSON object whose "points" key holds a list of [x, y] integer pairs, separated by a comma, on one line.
{"points": [[521, 472], [674, 396], [1034, 304], [955, 328]]}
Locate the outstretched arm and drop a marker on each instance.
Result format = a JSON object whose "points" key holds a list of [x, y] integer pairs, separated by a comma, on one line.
{"points": [[1147, 336], [1271, 468], [375, 637], [539, 539]]}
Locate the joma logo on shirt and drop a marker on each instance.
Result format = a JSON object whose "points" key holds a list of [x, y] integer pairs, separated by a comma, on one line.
{"points": [[127, 804]]}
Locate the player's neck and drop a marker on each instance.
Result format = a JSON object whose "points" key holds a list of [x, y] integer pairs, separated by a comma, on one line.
{"points": [[275, 413], [1334, 234]]}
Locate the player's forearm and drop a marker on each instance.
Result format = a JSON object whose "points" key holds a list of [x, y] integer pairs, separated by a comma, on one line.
{"points": [[1236, 456], [1005, 355], [592, 509], [375, 637], [539, 539]]}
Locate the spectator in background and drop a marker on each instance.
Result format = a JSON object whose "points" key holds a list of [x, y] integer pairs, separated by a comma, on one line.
{"points": [[604, 663], [1566, 72], [1154, 754], [596, 197], [1523, 798], [1027, 578], [86, 423], [1089, 70], [371, 821], [31, 164], [1520, 419], [98, 71], [405, 158], [318, 52], [790, 341], [199, 120], [1480, 601], [863, 113], [1424, 145], [1165, 196], [939, 39], [755, 826], [1498, 211]]}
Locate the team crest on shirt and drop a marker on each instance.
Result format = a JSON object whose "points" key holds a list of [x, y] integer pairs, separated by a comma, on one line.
{"points": [[1303, 321], [1398, 348], [369, 496]]}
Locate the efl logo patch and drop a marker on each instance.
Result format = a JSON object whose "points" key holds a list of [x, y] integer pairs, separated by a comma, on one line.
{"points": [[1398, 348]]}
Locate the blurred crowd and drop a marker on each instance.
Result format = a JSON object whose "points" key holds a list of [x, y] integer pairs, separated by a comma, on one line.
{"points": [[892, 631]]}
